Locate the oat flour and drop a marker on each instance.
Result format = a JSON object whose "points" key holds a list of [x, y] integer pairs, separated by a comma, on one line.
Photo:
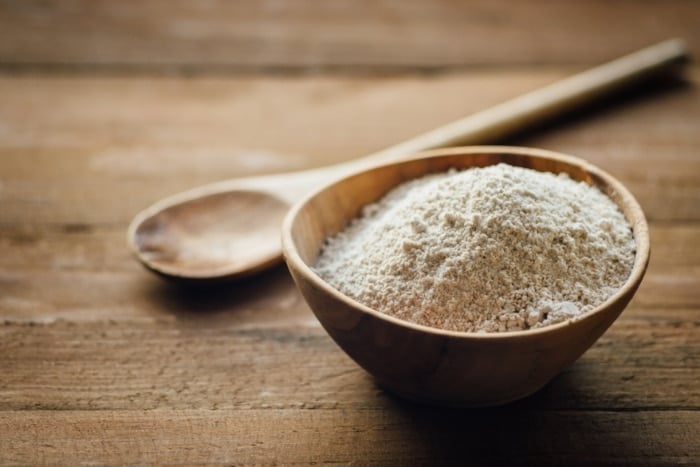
{"points": [[489, 249]]}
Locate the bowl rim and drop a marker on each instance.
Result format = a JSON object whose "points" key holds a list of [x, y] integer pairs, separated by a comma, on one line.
{"points": [[638, 223]]}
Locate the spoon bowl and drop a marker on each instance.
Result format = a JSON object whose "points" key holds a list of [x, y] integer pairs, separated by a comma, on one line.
{"points": [[216, 235], [432, 365]]}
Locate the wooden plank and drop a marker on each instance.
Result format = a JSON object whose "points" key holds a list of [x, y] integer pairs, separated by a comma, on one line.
{"points": [[397, 434], [72, 148], [673, 276], [220, 353], [160, 34], [97, 150]]}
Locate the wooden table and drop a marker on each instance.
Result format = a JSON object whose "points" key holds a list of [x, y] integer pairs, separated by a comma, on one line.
{"points": [[107, 106]]}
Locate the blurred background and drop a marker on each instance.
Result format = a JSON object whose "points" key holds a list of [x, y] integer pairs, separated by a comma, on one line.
{"points": [[312, 35]]}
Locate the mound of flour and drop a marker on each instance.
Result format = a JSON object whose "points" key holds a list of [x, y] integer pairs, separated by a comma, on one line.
{"points": [[489, 249]]}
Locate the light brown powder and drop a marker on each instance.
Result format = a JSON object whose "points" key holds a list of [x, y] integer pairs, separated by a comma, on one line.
{"points": [[489, 249]]}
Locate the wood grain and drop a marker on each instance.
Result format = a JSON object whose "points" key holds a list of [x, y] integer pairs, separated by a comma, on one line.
{"points": [[398, 434], [312, 34], [206, 357]]}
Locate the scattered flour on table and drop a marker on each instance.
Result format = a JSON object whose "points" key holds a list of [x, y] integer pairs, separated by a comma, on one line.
{"points": [[489, 249]]}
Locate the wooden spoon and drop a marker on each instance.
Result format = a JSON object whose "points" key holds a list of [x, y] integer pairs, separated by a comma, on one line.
{"points": [[231, 229]]}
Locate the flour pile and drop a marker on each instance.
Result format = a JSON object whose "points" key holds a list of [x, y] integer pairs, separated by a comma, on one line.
{"points": [[489, 249]]}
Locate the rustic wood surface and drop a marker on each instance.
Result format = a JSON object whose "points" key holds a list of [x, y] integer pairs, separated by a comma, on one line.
{"points": [[101, 362]]}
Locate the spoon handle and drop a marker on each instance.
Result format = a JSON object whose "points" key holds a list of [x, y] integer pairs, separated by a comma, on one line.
{"points": [[545, 103], [504, 119]]}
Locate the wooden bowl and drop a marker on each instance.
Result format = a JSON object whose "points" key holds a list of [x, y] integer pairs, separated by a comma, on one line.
{"points": [[432, 365]]}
